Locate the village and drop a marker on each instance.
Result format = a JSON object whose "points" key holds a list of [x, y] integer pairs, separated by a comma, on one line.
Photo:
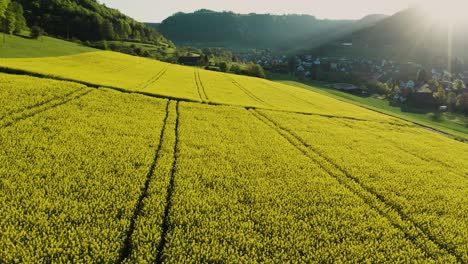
{"points": [[400, 82]]}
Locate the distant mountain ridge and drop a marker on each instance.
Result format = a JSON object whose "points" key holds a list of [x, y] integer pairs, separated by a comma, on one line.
{"points": [[337, 34], [227, 29], [411, 35]]}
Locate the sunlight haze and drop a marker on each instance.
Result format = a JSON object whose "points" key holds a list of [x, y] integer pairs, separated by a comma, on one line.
{"points": [[156, 11]]}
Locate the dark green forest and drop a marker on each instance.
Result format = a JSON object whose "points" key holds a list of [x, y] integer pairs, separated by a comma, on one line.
{"points": [[251, 30], [78, 19]]}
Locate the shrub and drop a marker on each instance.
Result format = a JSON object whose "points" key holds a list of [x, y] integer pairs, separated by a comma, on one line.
{"points": [[378, 87], [224, 66], [437, 116], [212, 68], [255, 70], [236, 69], [36, 32]]}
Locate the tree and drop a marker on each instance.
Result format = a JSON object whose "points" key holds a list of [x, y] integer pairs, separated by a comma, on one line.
{"points": [[204, 61], [224, 66], [107, 30], [3, 7], [9, 19], [462, 103], [440, 95], [422, 76], [394, 90], [458, 85], [292, 64], [102, 45], [236, 69], [136, 34], [20, 21], [122, 29], [256, 70], [451, 100], [379, 87], [36, 32]]}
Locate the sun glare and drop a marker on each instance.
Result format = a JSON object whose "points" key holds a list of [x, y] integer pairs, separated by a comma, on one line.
{"points": [[449, 11]]}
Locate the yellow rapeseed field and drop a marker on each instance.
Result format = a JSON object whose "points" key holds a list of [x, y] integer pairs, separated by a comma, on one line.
{"points": [[111, 69], [219, 168]]}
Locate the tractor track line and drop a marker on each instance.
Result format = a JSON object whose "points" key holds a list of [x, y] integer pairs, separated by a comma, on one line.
{"points": [[201, 85], [409, 152], [247, 92], [31, 107], [126, 250], [179, 99], [290, 94], [126, 68], [155, 78], [160, 96], [169, 193], [376, 201], [52, 106], [331, 116]]}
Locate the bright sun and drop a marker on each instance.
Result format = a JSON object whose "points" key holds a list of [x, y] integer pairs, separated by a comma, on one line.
{"points": [[447, 10]]}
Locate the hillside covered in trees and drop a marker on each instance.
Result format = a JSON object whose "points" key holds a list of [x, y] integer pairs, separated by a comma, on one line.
{"points": [[227, 29], [424, 39], [80, 19]]}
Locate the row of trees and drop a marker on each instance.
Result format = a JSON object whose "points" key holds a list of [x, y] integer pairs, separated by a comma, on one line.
{"points": [[223, 60], [249, 69]]}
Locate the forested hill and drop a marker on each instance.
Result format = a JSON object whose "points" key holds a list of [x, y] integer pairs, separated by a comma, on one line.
{"points": [[408, 35], [253, 30], [339, 33], [85, 20]]}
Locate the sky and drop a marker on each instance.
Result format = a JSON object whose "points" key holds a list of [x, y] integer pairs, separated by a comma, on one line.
{"points": [[158, 10]]}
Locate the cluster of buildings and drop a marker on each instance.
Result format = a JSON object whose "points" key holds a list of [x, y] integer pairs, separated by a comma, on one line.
{"points": [[366, 69], [422, 93], [404, 80], [271, 61]]}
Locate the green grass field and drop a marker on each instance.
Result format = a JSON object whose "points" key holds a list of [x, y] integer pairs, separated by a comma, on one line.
{"points": [[171, 164], [23, 47]]}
